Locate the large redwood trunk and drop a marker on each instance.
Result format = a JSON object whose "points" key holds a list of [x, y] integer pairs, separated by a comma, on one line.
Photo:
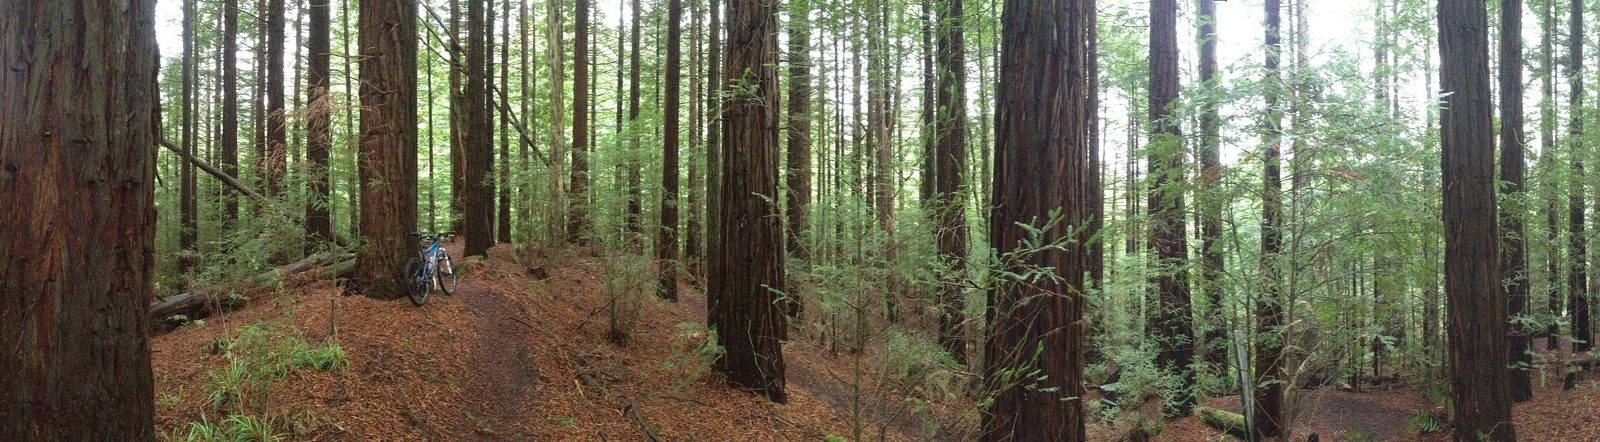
{"points": [[388, 145], [277, 153], [798, 150], [1269, 370], [578, 193], [1210, 201], [1513, 254], [1042, 136], [78, 135], [477, 225], [1577, 241], [750, 272], [1168, 234], [667, 242], [950, 167], [1477, 325], [319, 125], [229, 144]]}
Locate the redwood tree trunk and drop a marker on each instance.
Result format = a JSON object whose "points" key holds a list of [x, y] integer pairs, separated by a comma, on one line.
{"points": [[1269, 370], [188, 209], [635, 193], [1477, 326], [78, 133], [1513, 254], [319, 124], [477, 225], [229, 161], [749, 322], [950, 167], [1041, 138], [667, 242], [1211, 202], [277, 154], [1577, 277], [799, 140], [578, 192], [503, 161], [1167, 231], [388, 145]]}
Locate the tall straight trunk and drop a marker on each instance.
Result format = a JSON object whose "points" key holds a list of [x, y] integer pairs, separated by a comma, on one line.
{"points": [[319, 126], [1547, 167], [1211, 200], [928, 133], [1478, 374], [477, 146], [352, 138], [635, 203], [578, 194], [691, 233], [558, 142], [798, 152], [277, 155], [229, 143], [1168, 235], [1042, 132], [79, 126], [388, 145], [188, 203], [667, 242], [1269, 364], [459, 127], [503, 161], [750, 323], [526, 79], [950, 170], [878, 141], [1577, 277], [714, 105], [1513, 253]]}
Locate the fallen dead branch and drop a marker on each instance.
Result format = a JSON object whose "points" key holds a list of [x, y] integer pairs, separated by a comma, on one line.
{"points": [[203, 302]]}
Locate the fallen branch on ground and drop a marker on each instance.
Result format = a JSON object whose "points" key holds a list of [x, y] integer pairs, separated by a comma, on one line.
{"points": [[201, 303], [1227, 421]]}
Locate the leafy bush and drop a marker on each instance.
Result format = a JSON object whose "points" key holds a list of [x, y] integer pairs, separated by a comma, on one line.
{"points": [[694, 352]]}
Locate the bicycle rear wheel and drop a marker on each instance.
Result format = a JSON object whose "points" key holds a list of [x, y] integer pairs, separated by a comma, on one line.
{"points": [[445, 271], [417, 283]]}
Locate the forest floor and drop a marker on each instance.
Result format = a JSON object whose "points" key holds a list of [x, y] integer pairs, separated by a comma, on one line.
{"points": [[502, 358]]}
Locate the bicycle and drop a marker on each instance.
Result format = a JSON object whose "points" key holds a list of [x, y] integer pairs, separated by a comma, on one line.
{"points": [[430, 269]]}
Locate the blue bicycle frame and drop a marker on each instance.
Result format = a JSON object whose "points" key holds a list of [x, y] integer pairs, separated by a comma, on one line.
{"points": [[430, 258]]}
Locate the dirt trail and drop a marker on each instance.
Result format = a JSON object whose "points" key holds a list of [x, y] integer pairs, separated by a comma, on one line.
{"points": [[504, 368]]}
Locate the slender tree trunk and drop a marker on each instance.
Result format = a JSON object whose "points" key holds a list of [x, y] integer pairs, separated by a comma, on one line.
{"points": [[1211, 199], [1041, 137], [714, 114], [1513, 254], [460, 128], [229, 162], [578, 195], [950, 170], [188, 229], [799, 138], [1478, 374], [503, 161], [1270, 373], [691, 234], [558, 142], [319, 122], [1577, 277], [1547, 166], [388, 145], [1167, 231], [277, 156], [750, 323], [631, 161], [667, 242], [79, 124]]}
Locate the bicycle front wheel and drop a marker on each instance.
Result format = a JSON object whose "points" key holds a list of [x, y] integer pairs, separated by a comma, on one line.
{"points": [[445, 271], [417, 283]]}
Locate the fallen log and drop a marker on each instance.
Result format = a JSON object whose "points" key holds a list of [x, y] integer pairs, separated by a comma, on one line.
{"points": [[1226, 421], [220, 175], [622, 402], [202, 302]]}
